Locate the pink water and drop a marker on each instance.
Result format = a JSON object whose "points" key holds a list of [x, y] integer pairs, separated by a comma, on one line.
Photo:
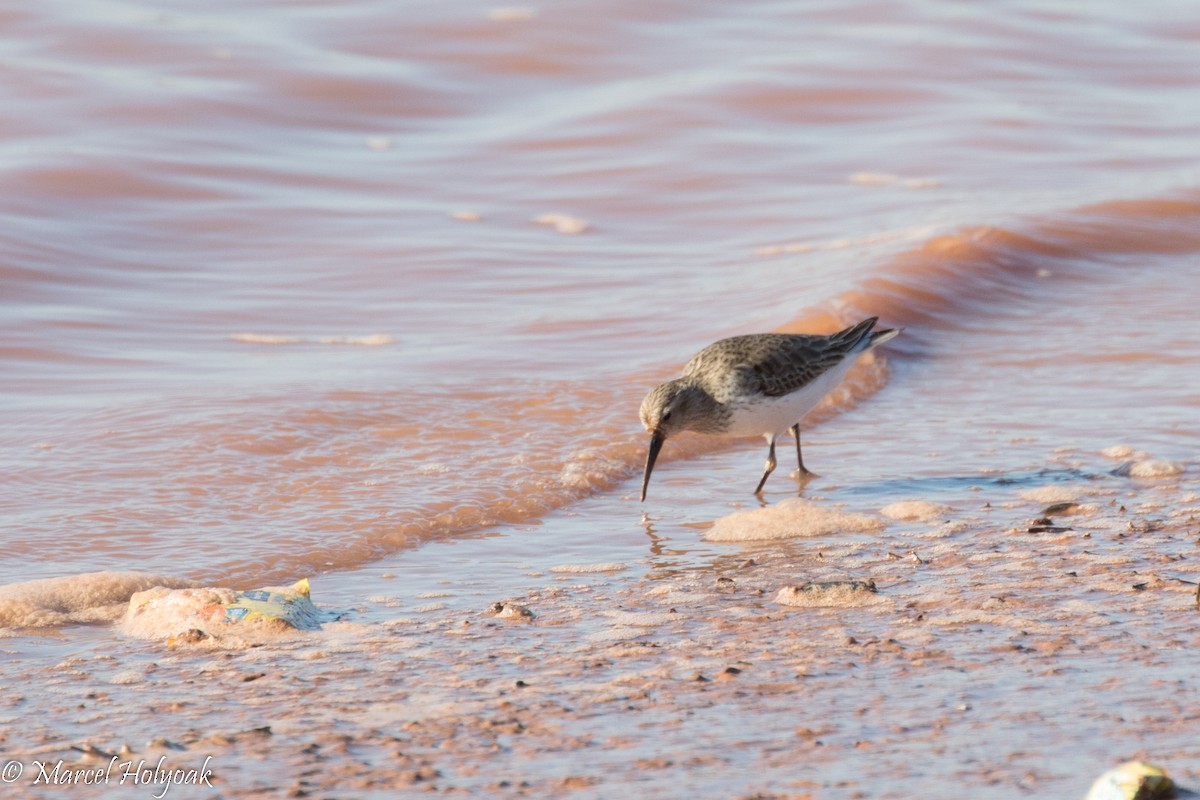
{"points": [[273, 301], [180, 177]]}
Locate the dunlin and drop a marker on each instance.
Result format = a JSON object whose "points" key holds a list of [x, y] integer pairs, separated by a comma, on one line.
{"points": [[757, 385]]}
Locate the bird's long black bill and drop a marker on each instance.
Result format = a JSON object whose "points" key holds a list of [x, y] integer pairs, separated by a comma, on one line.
{"points": [[656, 442]]}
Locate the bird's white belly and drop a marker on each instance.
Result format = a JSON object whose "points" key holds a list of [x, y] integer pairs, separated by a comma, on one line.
{"points": [[773, 416]]}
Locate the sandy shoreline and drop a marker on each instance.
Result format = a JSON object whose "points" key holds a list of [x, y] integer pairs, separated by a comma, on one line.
{"points": [[1003, 653]]}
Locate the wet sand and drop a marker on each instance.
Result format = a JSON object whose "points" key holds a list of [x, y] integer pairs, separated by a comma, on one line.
{"points": [[1020, 640], [372, 298]]}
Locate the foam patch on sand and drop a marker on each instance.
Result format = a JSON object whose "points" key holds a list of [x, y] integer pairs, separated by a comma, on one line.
{"points": [[586, 568], [791, 519], [914, 511], [1051, 494], [218, 616], [74, 599], [616, 634], [640, 619], [1150, 468], [825, 595]]}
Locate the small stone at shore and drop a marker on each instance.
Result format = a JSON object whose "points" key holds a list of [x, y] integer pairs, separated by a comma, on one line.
{"points": [[510, 610], [830, 593]]}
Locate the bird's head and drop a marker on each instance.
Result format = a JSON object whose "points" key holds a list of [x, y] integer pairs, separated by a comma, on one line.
{"points": [[672, 407]]}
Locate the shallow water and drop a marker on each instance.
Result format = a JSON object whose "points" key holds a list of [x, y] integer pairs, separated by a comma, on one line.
{"points": [[274, 302], [232, 256]]}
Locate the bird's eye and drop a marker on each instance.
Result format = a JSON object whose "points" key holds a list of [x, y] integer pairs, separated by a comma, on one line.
{"points": [[666, 415]]}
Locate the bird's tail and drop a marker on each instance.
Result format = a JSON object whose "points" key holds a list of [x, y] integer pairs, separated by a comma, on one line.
{"points": [[860, 337], [881, 336]]}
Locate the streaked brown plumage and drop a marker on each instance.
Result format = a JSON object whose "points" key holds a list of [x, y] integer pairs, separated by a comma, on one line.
{"points": [[761, 384]]}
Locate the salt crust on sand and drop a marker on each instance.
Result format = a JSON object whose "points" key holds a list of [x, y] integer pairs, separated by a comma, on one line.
{"points": [[914, 511], [791, 519]]}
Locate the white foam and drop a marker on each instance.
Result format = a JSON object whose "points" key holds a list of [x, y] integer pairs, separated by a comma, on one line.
{"points": [[589, 470], [162, 613], [824, 595], [640, 619], [791, 519], [429, 607], [370, 340], [512, 14], [585, 568], [914, 511], [616, 634], [563, 223], [264, 338], [89, 597], [127, 678], [902, 234], [885, 179], [1151, 468], [1051, 494], [159, 613], [873, 178]]}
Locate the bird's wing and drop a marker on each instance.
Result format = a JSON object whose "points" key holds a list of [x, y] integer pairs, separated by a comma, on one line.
{"points": [[775, 364], [793, 364]]}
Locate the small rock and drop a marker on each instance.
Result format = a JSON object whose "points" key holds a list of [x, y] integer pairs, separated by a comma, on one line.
{"points": [[1133, 780], [160, 743], [578, 782], [510, 610], [191, 636]]}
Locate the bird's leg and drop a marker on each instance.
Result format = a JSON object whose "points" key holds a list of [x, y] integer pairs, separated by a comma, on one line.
{"points": [[770, 465], [799, 457]]}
